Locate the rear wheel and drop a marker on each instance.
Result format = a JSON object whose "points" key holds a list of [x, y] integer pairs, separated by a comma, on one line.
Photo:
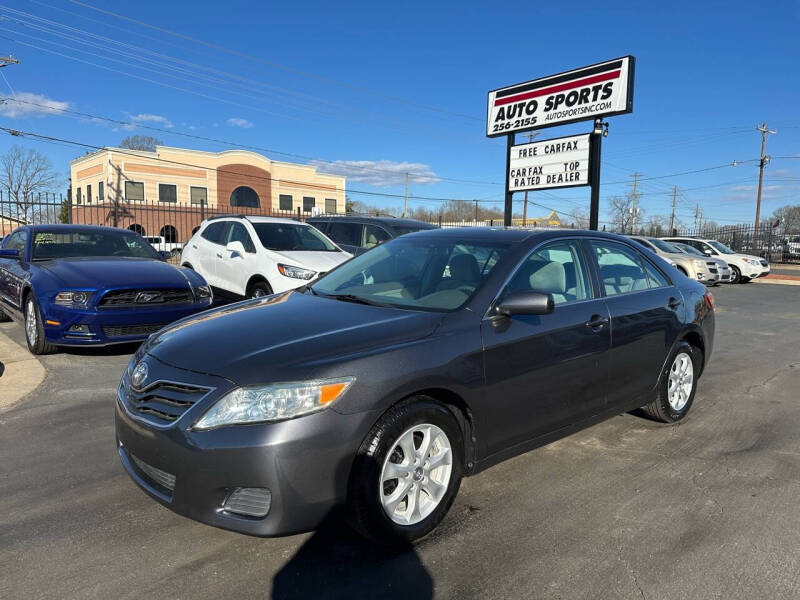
{"points": [[677, 387], [406, 473], [34, 328]]}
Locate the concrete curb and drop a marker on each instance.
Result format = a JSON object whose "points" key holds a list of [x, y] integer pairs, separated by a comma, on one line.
{"points": [[22, 373], [776, 281]]}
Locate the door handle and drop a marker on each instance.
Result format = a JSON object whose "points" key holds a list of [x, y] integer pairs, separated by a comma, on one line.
{"points": [[596, 322], [674, 303], [219, 255], [194, 246]]}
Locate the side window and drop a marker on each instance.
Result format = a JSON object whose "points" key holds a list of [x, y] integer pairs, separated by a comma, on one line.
{"points": [[656, 277], [238, 233], [620, 269], [557, 268], [213, 233], [375, 235], [17, 241], [346, 233]]}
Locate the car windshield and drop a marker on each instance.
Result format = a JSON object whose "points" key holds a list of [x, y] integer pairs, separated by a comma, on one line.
{"points": [[721, 247], [663, 246], [292, 236], [48, 245], [422, 274], [689, 249], [404, 230]]}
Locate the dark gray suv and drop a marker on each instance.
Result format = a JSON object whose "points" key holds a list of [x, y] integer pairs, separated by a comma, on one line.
{"points": [[356, 234], [382, 384]]}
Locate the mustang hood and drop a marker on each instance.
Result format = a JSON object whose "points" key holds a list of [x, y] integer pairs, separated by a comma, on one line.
{"points": [[105, 273], [284, 337]]}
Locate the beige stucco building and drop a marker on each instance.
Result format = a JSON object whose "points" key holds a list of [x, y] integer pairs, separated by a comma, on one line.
{"points": [[144, 190]]}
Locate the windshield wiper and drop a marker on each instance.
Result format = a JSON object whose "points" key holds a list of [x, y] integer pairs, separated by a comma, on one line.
{"points": [[351, 298]]}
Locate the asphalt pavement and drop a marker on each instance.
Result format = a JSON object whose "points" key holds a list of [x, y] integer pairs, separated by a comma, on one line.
{"points": [[625, 509]]}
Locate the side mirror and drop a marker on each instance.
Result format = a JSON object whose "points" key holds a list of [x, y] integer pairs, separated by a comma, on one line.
{"points": [[235, 248], [526, 302], [707, 252], [164, 254], [9, 253]]}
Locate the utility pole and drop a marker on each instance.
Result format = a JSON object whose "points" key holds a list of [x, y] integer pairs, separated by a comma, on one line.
{"points": [[672, 215], [530, 135], [8, 60], [405, 200], [763, 163], [698, 217], [635, 209]]}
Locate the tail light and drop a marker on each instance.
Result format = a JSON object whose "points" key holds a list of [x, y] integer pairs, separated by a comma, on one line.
{"points": [[709, 298]]}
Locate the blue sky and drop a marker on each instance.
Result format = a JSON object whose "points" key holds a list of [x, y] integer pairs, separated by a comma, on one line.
{"points": [[383, 88]]}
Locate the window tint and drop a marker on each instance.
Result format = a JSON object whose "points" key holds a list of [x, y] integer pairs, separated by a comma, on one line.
{"points": [[285, 202], [375, 235], [77, 243], [620, 269], [308, 203], [558, 269], [345, 233], [656, 277], [198, 195], [213, 233], [643, 243], [167, 192], [330, 205], [134, 191], [238, 233]]}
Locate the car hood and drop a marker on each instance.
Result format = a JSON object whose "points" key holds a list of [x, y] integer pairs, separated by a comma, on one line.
{"points": [[290, 335], [321, 262], [107, 272]]}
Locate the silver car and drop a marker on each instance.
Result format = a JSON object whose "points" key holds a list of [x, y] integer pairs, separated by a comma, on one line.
{"points": [[702, 269], [723, 268]]}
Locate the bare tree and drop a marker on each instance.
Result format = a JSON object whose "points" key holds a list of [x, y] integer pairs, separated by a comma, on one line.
{"points": [[657, 226], [620, 210], [25, 175], [145, 143], [580, 218], [789, 216]]}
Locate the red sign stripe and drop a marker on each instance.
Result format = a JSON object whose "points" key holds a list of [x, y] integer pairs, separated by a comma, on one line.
{"points": [[557, 88]]}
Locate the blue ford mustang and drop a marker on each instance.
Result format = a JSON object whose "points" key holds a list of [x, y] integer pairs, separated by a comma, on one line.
{"points": [[77, 285]]}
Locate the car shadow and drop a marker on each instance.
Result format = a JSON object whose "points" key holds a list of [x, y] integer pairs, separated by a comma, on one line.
{"points": [[336, 562]]}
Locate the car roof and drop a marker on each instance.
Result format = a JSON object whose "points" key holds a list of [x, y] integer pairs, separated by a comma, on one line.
{"points": [[254, 219], [365, 219], [60, 227], [511, 234]]}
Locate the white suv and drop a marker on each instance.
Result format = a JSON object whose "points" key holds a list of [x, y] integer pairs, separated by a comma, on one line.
{"points": [[257, 256], [744, 267]]}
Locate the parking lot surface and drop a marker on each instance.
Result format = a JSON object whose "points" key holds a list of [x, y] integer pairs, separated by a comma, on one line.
{"points": [[625, 509]]}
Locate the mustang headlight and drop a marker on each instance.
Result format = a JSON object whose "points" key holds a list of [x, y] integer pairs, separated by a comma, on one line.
{"points": [[296, 272], [273, 402], [76, 299], [202, 292]]}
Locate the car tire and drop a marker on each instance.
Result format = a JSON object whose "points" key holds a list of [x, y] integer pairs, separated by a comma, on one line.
{"points": [[259, 289], [395, 511], [736, 275], [678, 385], [34, 328]]}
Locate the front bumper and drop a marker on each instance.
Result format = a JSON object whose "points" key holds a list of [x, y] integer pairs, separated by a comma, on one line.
{"points": [[304, 463], [111, 326]]}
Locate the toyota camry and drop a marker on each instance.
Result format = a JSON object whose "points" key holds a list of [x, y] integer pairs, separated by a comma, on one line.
{"points": [[384, 383]]}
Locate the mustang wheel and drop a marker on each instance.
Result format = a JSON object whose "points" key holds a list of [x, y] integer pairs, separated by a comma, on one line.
{"points": [[34, 328], [407, 472], [678, 386]]}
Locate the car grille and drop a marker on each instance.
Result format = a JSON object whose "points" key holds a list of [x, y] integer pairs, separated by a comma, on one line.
{"points": [[118, 331], [139, 298], [159, 479], [163, 402]]}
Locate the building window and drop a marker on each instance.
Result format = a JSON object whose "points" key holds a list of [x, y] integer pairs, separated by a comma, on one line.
{"points": [[245, 196], [169, 233], [101, 196], [285, 202], [78, 196], [308, 203], [198, 195], [330, 205], [88, 194], [167, 192], [134, 191]]}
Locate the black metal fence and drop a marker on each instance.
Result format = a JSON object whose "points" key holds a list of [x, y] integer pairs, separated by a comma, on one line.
{"points": [[778, 244]]}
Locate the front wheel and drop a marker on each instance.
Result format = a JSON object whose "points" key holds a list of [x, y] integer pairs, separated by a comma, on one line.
{"points": [[259, 289], [407, 472], [677, 387], [736, 275], [34, 328]]}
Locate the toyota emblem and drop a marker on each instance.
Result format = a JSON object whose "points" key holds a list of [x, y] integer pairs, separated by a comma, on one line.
{"points": [[139, 375]]}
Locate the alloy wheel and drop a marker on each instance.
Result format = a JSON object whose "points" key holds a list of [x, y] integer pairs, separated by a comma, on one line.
{"points": [[416, 474], [31, 326], [681, 381]]}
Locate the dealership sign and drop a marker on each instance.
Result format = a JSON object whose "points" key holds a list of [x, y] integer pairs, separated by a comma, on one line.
{"points": [[557, 163], [587, 93]]}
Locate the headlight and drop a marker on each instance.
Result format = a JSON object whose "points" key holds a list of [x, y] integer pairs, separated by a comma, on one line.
{"points": [[79, 299], [202, 292], [753, 261], [699, 264], [296, 272], [273, 402]]}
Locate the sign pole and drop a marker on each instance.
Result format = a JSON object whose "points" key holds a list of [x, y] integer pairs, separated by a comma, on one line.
{"points": [[595, 145], [509, 194]]}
